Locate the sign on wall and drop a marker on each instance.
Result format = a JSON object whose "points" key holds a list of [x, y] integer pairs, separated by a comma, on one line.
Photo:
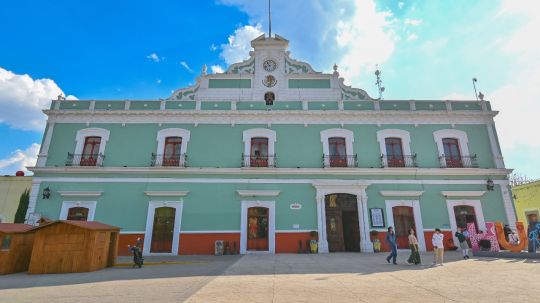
{"points": [[296, 206], [377, 217]]}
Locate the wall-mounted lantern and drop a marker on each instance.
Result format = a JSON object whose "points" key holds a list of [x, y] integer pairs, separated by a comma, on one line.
{"points": [[46, 193], [490, 185]]}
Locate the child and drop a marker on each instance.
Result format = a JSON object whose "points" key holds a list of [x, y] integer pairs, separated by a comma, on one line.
{"points": [[463, 242]]}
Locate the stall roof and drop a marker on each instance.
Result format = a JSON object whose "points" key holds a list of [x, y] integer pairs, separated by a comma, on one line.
{"points": [[93, 225], [10, 228]]}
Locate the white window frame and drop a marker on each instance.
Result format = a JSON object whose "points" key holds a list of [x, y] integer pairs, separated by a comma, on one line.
{"points": [[66, 205], [336, 132], [271, 205], [152, 205], [163, 134], [91, 132], [476, 204], [248, 134], [394, 133], [460, 135], [415, 204]]}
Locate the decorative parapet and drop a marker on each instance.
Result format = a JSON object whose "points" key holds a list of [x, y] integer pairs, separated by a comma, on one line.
{"points": [[244, 67], [351, 93], [298, 67], [185, 94]]}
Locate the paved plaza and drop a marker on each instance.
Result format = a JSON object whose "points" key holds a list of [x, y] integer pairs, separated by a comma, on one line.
{"points": [[338, 277]]}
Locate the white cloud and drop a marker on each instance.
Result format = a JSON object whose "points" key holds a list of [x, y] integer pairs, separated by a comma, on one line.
{"points": [[158, 81], [22, 99], [365, 39], [400, 5], [154, 57], [238, 47], [458, 96], [412, 22], [213, 47], [412, 37], [216, 69], [186, 66], [19, 160]]}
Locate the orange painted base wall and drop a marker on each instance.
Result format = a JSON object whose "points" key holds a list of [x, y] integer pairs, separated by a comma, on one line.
{"points": [[203, 244]]}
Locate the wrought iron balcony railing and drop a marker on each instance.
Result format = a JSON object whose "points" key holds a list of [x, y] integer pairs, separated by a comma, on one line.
{"points": [[340, 161], [259, 161], [84, 160], [398, 161], [169, 160], [458, 162]]}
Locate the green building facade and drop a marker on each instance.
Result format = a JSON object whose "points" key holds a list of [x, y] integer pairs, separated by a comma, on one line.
{"points": [[264, 155]]}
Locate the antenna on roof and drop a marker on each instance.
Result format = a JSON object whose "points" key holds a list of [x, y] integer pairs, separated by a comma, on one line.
{"points": [[379, 82], [269, 19], [474, 80]]}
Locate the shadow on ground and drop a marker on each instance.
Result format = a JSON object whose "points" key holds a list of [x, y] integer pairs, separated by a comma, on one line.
{"points": [[253, 264]]}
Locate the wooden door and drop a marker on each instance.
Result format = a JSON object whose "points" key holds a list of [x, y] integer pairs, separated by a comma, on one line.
{"points": [[257, 226], [403, 221], [78, 214], [334, 230], [163, 230], [465, 214], [351, 230]]}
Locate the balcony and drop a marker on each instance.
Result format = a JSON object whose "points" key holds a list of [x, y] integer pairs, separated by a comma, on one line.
{"points": [[340, 161], [84, 160], [259, 161], [458, 162], [398, 161], [159, 160]]}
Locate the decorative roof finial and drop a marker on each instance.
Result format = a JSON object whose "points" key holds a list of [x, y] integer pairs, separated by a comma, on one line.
{"points": [[269, 19], [481, 96], [379, 82], [61, 97], [335, 69], [474, 80], [204, 69]]}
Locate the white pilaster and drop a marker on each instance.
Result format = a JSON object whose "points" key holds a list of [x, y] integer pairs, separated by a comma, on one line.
{"points": [[363, 220], [44, 150], [508, 205], [321, 224], [499, 162], [34, 192]]}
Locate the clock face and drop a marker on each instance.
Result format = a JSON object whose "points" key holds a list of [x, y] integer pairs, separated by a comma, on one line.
{"points": [[269, 65]]}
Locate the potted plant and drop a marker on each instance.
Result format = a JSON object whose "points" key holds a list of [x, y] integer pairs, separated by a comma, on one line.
{"points": [[313, 244], [375, 240]]}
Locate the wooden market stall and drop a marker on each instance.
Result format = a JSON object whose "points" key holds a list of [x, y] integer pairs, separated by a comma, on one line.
{"points": [[15, 247], [73, 246]]}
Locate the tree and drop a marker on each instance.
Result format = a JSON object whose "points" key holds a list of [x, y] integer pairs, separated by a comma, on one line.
{"points": [[23, 207]]}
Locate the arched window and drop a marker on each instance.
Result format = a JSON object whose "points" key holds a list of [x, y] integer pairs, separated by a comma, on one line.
{"points": [[78, 214], [90, 153], [452, 153], [394, 152], [172, 151], [259, 152], [337, 152]]}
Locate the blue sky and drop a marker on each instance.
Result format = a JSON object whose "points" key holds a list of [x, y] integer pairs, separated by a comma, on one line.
{"points": [[146, 49]]}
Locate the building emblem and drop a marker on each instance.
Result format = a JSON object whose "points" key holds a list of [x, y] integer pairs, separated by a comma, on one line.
{"points": [[269, 81]]}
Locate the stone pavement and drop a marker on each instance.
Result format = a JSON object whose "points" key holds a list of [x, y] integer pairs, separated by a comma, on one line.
{"points": [[338, 277]]}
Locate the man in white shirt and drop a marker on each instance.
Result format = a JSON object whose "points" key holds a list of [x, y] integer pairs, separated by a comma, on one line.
{"points": [[438, 247]]}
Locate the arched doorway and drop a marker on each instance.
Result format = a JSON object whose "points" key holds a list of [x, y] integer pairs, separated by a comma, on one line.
{"points": [[465, 214], [403, 221], [257, 229], [342, 224], [163, 230]]}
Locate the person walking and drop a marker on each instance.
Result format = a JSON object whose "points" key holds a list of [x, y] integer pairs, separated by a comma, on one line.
{"points": [[391, 240], [414, 258], [438, 247], [462, 242]]}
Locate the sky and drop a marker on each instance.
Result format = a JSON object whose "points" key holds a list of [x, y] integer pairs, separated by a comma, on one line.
{"points": [[138, 49]]}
